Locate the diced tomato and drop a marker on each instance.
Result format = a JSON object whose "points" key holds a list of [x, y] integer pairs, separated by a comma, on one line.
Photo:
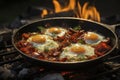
{"points": [[25, 50], [102, 48], [25, 35]]}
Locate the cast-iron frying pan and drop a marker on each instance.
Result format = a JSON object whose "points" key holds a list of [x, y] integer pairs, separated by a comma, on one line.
{"points": [[68, 22]]}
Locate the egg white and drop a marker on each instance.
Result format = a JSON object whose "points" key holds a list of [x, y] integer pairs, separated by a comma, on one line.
{"points": [[47, 45], [63, 31], [94, 42], [72, 56]]}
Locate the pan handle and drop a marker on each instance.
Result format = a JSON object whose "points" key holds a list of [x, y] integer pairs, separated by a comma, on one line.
{"points": [[116, 29], [114, 58]]}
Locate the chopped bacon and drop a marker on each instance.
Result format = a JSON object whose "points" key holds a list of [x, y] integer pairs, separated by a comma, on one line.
{"points": [[65, 43], [75, 37], [60, 39]]}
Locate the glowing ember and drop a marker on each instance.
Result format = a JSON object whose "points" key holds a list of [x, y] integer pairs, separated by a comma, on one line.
{"points": [[86, 11]]}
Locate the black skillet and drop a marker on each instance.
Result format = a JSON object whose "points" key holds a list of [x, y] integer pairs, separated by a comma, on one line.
{"points": [[71, 22]]}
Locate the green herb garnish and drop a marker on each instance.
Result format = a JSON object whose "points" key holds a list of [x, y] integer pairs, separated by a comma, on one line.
{"points": [[81, 41], [77, 28], [46, 49], [41, 28]]}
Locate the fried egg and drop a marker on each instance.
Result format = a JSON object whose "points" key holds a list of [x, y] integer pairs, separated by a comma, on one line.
{"points": [[93, 38], [42, 42], [77, 52], [55, 31]]}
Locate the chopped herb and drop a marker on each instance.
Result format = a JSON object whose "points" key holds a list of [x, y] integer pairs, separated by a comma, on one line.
{"points": [[53, 34], [81, 41], [41, 28], [46, 49], [77, 28], [65, 50], [82, 57]]}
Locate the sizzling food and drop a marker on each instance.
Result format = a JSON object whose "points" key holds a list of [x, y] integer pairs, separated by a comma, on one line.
{"points": [[64, 44]]}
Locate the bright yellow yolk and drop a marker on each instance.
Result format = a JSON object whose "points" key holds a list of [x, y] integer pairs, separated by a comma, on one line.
{"points": [[77, 49], [91, 36], [38, 39], [54, 30]]}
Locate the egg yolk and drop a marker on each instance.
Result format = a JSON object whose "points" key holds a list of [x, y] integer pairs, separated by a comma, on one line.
{"points": [[38, 39], [54, 30], [78, 49], [91, 36]]}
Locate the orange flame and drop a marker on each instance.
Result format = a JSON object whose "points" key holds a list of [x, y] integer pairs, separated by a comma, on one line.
{"points": [[86, 11], [58, 7], [44, 12]]}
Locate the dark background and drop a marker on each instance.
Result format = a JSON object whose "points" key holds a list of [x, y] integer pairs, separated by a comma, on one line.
{"points": [[10, 9]]}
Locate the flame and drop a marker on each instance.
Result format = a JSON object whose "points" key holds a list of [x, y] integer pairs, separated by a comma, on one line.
{"points": [[86, 11], [44, 12], [58, 7]]}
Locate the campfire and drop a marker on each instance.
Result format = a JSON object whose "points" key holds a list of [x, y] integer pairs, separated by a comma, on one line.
{"points": [[86, 11]]}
